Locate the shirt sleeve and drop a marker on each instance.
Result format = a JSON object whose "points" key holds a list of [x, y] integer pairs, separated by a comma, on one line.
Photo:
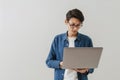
{"points": [[91, 70], [51, 59], [90, 43]]}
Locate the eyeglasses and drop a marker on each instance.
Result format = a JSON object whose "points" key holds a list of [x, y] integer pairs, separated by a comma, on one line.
{"points": [[75, 25]]}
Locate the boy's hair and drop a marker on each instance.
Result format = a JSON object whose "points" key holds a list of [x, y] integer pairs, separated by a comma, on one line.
{"points": [[75, 13]]}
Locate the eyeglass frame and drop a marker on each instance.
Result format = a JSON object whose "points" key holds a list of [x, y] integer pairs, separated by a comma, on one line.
{"points": [[73, 25]]}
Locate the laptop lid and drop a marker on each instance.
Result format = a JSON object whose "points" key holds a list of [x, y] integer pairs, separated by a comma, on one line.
{"points": [[81, 57]]}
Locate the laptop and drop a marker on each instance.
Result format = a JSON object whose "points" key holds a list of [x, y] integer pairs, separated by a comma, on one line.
{"points": [[81, 57]]}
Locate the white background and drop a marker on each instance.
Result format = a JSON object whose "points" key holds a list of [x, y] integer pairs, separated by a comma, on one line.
{"points": [[27, 28]]}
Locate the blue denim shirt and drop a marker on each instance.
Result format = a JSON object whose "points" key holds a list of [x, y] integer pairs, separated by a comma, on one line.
{"points": [[56, 54]]}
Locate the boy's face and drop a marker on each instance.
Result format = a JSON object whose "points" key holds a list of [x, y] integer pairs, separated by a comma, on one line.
{"points": [[74, 25]]}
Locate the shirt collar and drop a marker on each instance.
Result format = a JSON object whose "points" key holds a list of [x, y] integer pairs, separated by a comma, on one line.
{"points": [[65, 36]]}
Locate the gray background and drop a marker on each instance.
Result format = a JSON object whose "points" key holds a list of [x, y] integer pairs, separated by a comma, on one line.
{"points": [[27, 28]]}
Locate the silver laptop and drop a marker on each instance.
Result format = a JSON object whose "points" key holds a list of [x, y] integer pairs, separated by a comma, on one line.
{"points": [[81, 57]]}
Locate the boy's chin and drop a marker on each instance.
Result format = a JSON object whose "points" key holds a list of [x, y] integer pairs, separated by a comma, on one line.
{"points": [[74, 32]]}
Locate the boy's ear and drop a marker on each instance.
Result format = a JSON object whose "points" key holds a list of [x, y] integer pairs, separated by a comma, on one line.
{"points": [[66, 21]]}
